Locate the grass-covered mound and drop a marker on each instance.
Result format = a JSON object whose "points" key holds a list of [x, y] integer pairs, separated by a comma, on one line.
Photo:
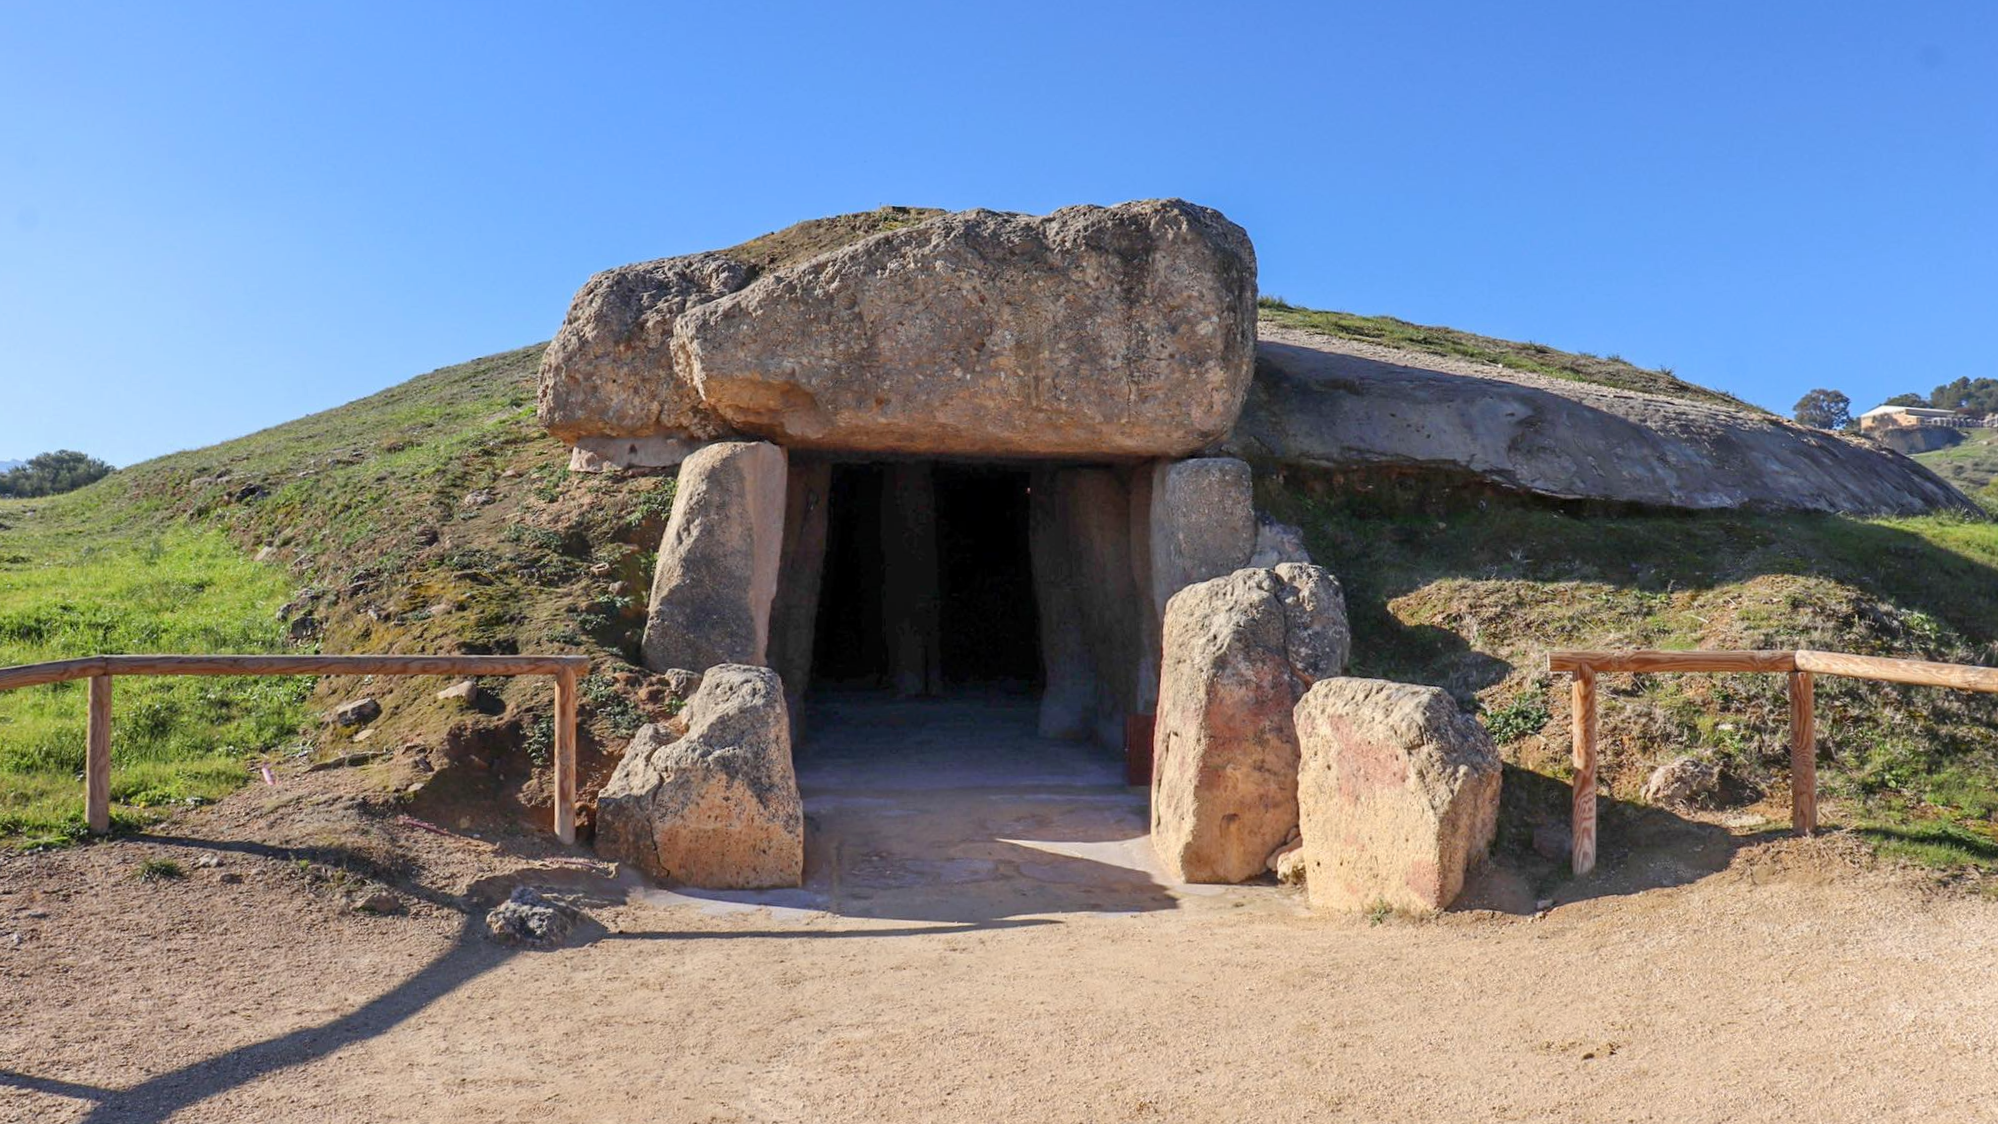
{"points": [[1469, 593], [66, 591], [434, 517], [1971, 464], [1533, 358]]}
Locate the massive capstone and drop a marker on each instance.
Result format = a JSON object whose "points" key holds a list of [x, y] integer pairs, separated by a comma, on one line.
{"points": [[609, 371], [1093, 331], [1324, 402]]}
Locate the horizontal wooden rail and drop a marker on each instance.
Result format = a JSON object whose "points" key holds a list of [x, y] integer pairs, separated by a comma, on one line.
{"points": [[1639, 660], [1921, 673], [1800, 668], [101, 669], [59, 671]]}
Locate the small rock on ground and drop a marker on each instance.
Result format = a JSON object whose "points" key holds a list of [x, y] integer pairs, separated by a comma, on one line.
{"points": [[379, 902], [358, 713], [527, 918], [1681, 781], [1553, 842]]}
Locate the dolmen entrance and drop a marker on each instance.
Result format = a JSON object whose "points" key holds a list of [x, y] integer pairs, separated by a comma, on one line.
{"points": [[984, 443]]}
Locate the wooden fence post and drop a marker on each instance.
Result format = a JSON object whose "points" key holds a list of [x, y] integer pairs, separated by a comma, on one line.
{"points": [[1803, 755], [1583, 722], [97, 758], [565, 755]]}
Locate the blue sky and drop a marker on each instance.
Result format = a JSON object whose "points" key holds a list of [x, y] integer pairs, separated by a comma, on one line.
{"points": [[218, 217]]}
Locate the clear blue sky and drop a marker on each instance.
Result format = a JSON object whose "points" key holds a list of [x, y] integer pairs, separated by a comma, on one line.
{"points": [[218, 217]]}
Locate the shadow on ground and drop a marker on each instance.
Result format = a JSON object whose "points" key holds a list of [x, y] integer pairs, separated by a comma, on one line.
{"points": [[1639, 847]]}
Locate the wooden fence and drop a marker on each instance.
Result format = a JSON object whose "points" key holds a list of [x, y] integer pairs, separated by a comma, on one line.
{"points": [[1801, 667], [100, 670]]}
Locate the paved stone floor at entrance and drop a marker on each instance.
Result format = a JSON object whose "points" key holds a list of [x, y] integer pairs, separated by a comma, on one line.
{"points": [[956, 810]]}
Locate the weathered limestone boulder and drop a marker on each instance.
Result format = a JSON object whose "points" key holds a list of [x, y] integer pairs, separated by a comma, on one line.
{"points": [[718, 808], [1203, 522], [1340, 404], [1200, 523], [718, 561], [609, 371], [1239, 651], [1681, 780], [1398, 792], [1093, 331], [1277, 542], [615, 454]]}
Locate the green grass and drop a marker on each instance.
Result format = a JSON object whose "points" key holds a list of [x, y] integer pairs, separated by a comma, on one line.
{"points": [[1970, 464], [64, 593], [1937, 845], [1533, 358], [364, 509], [160, 870], [1470, 597]]}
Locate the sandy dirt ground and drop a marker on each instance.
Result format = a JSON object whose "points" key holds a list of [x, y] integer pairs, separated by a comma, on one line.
{"points": [[984, 952]]}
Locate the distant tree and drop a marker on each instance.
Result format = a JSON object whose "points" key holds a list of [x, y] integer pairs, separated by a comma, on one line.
{"points": [[1972, 396], [1824, 409], [1907, 400], [52, 474]]}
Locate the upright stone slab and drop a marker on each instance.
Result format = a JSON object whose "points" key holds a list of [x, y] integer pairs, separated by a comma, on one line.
{"points": [[719, 559], [1203, 523], [1146, 688], [1068, 702], [1398, 791], [1239, 650], [794, 614], [1095, 508], [718, 808], [911, 596]]}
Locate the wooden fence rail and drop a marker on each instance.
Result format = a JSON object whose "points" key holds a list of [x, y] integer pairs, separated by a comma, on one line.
{"points": [[1800, 668], [101, 669]]}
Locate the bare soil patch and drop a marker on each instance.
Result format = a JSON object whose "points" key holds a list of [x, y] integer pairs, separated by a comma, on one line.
{"points": [[1776, 978]]}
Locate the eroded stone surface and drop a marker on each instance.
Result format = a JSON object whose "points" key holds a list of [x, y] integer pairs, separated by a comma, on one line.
{"points": [[1203, 523], [719, 807], [719, 559], [794, 613], [1398, 792], [609, 371], [1239, 650], [1325, 402], [1119, 331]]}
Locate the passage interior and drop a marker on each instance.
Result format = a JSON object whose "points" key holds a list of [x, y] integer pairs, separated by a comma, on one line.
{"points": [[928, 581]]}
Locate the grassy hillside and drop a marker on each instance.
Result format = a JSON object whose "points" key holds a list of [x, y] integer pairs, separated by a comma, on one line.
{"points": [[1971, 464], [1534, 358], [1471, 596], [433, 517]]}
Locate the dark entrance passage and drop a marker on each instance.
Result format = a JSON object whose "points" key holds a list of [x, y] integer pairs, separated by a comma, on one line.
{"points": [[849, 645], [927, 580], [991, 631]]}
